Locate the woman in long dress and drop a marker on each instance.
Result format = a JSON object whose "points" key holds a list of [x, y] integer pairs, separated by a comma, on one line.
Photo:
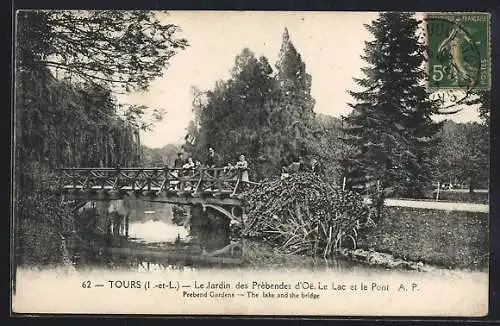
{"points": [[242, 165]]}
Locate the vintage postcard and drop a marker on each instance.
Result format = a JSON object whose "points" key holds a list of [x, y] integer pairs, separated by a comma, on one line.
{"points": [[251, 163]]}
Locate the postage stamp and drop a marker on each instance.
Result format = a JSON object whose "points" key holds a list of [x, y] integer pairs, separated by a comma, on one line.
{"points": [[459, 51]]}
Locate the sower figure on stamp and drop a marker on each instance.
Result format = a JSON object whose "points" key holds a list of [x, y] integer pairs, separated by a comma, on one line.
{"points": [[451, 47]]}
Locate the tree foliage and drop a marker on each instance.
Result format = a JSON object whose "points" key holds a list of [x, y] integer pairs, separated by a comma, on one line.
{"points": [[63, 124], [483, 100], [68, 65], [464, 154], [327, 147], [42, 221], [236, 113], [158, 157], [390, 127], [125, 49], [295, 100], [267, 115]]}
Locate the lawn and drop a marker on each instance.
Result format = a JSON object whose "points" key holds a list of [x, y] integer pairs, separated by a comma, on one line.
{"points": [[451, 239]]}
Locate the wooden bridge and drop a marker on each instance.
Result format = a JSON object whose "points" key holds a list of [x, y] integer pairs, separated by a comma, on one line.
{"points": [[213, 193], [215, 186]]}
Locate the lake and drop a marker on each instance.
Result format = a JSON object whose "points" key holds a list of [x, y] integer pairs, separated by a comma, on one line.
{"points": [[112, 277]]}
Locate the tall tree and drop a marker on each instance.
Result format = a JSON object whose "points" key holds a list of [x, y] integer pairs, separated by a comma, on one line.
{"points": [[236, 115], [295, 101], [111, 49], [390, 126], [92, 54]]}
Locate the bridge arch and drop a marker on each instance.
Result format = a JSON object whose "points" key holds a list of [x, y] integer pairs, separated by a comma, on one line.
{"points": [[224, 212]]}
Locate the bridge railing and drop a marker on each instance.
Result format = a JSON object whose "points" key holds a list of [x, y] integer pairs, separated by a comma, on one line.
{"points": [[194, 180]]}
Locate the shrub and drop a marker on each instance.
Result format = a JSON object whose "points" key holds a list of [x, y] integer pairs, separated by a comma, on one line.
{"points": [[304, 214], [42, 219]]}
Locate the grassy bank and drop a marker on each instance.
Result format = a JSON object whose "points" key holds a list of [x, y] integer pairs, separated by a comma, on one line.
{"points": [[449, 239]]}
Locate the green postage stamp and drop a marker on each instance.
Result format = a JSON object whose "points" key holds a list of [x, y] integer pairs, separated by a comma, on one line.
{"points": [[459, 51]]}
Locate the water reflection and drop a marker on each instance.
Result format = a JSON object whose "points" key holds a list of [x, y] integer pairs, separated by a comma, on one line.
{"points": [[155, 243], [154, 267], [157, 231]]}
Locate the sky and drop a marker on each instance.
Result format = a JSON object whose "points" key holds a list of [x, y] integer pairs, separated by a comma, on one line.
{"points": [[330, 44]]}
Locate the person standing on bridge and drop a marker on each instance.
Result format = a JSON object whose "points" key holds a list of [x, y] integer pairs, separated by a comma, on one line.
{"points": [[189, 164], [213, 159], [242, 166], [178, 163], [188, 170]]}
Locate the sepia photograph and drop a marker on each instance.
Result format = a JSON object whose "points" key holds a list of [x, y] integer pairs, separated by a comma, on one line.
{"points": [[251, 163]]}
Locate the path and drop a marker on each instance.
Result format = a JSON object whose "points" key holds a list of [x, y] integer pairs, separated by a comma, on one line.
{"points": [[428, 204]]}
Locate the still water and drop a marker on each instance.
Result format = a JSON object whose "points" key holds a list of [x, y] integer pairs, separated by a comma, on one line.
{"points": [[156, 242], [157, 231]]}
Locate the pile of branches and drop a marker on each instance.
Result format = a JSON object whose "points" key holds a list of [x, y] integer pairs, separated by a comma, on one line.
{"points": [[303, 214]]}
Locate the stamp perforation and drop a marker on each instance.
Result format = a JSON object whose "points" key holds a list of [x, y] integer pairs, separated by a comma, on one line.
{"points": [[456, 67]]}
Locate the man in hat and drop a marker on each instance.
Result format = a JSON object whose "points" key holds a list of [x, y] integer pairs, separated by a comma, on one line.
{"points": [[213, 159], [179, 161]]}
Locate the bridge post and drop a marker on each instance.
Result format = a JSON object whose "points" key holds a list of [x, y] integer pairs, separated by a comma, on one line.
{"points": [[165, 182], [148, 181], [73, 178], [180, 174], [200, 172], [218, 179], [117, 177]]}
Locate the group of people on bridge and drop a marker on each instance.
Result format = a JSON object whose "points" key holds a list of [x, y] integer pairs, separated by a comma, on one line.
{"points": [[214, 160], [186, 167]]}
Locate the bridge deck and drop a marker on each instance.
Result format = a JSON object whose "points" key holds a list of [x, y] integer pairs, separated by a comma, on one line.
{"points": [[180, 186]]}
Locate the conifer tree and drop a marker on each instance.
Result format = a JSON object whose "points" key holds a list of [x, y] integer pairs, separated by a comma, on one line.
{"points": [[295, 101], [237, 114], [390, 126], [483, 99]]}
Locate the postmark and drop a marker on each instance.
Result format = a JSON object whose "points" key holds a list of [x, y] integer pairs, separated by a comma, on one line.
{"points": [[458, 51]]}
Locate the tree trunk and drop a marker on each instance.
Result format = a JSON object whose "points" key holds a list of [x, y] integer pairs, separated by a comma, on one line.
{"points": [[471, 185]]}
